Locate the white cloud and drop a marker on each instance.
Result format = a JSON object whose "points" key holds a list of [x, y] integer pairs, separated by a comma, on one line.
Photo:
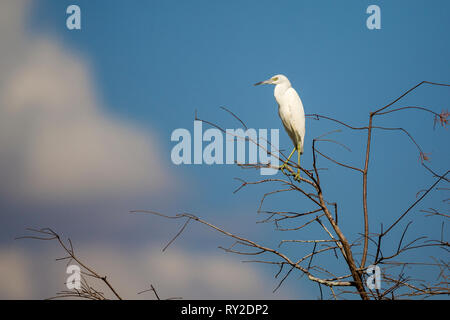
{"points": [[194, 275], [174, 273], [56, 139], [57, 142], [12, 25], [15, 275]]}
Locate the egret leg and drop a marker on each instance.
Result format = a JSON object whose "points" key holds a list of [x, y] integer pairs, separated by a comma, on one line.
{"points": [[284, 165], [297, 176]]}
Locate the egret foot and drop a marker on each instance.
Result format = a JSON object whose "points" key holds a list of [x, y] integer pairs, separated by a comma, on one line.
{"points": [[297, 176], [283, 166]]}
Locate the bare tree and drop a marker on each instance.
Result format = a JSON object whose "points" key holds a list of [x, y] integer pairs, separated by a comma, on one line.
{"points": [[345, 276], [334, 240], [90, 279], [86, 290]]}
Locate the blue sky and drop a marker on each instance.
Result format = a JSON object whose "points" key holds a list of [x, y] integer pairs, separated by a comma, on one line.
{"points": [[153, 63]]}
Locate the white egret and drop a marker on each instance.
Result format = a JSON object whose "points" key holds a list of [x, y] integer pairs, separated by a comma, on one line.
{"points": [[290, 110]]}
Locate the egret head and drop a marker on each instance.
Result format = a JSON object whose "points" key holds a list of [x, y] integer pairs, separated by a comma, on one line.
{"points": [[277, 79]]}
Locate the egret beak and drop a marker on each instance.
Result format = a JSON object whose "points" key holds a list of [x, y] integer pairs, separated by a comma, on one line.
{"points": [[262, 82]]}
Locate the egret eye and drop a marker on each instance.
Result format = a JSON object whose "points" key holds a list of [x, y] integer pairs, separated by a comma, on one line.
{"points": [[274, 78]]}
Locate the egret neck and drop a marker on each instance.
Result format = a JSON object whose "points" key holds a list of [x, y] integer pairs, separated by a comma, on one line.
{"points": [[280, 90]]}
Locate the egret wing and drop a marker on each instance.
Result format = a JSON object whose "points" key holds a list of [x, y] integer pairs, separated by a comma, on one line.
{"points": [[297, 115]]}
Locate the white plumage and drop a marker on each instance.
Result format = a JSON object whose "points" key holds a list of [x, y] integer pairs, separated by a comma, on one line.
{"points": [[290, 110]]}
